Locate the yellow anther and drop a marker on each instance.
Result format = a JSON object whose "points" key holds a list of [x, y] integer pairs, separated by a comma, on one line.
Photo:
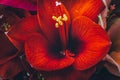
{"points": [[60, 23], [59, 20], [56, 25], [54, 18], [65, 18]]}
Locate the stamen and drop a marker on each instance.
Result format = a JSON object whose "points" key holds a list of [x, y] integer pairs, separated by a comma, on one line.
{"points": [[54, 17], [65, 18], [60, 23], [6, 26], [56, 25], [59, 20]]}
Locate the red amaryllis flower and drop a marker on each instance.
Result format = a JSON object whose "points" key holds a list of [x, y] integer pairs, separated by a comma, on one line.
{"points": [[24, 4], [66, 39]]}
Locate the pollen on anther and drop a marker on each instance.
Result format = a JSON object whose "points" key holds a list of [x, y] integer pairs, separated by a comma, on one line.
{"points": [[56, 25], [60, 23], [54, 18], [59, 20], [65, 18]]}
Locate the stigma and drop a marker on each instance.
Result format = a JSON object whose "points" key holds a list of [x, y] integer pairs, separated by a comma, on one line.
{"points": [[58, 3]]}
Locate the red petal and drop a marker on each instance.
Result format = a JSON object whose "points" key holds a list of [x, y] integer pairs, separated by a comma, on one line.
{"points": [[40, 57], [9, 62], [46, 10], [24, 4], [95, 42], [89, 8], [10, 69], [22, 29], [7, 49]]}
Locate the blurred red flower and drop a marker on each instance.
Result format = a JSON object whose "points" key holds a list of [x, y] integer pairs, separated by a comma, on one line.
{"points": [[62, 38]]}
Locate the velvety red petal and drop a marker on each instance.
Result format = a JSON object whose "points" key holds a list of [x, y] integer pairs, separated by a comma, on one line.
{"points": [[47, 9], [10, 64], [10, 69], [7, 49], [95, 42], [23, 28], [40, 56], [24, 4], [89, 8]]}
